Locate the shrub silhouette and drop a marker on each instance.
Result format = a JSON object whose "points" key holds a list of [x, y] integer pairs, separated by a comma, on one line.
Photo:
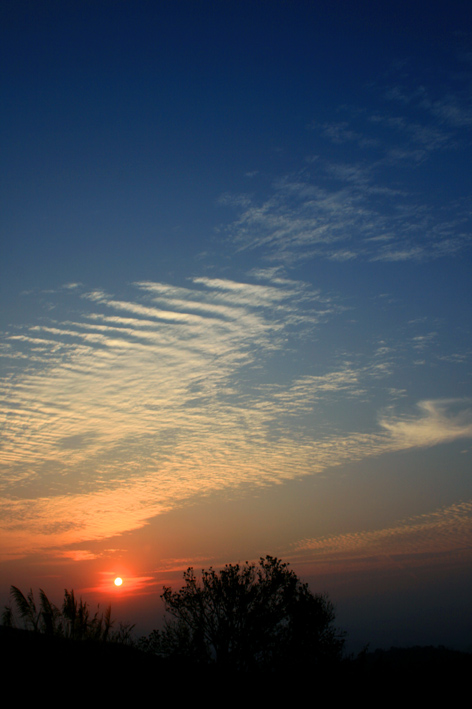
{"points": [[248, 617]]}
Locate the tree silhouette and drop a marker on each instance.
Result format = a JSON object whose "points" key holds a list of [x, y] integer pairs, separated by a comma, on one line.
{"points": [[248, 617]]}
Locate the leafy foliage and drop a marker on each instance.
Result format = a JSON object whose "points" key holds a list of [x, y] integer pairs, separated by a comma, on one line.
{"points": [[26, 608], [247, 617], [79, 624], [74, 620]]}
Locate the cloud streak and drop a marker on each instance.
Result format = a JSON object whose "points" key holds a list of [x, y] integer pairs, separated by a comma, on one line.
{"points": [[141, 405], [415, 539], [381, 204], [307, 217]]}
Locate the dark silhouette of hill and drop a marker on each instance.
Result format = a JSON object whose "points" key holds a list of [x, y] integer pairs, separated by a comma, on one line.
{"points": [[416, 662], [36, 664]]}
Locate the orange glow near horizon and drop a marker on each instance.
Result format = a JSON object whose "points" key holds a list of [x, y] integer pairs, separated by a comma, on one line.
{"points": [[123, 583]]}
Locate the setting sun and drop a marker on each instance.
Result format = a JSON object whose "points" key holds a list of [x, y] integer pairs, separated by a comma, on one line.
{"points": [[118, 581]]}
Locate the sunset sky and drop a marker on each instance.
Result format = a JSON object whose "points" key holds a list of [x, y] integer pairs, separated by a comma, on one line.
{"points": [[236, 302]]}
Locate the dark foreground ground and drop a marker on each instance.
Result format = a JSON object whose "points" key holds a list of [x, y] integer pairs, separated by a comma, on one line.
{"points": [[60, 670]]}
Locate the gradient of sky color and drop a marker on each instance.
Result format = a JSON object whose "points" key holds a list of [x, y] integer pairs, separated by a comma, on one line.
{"points": [[236, 301]]}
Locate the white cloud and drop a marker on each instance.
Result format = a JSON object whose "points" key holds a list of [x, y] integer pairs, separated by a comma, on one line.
{"points": [[439, 421], [140, 404]]}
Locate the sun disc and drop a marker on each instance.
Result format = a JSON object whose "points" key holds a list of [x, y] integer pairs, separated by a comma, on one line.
{"points": [[118, 581]]}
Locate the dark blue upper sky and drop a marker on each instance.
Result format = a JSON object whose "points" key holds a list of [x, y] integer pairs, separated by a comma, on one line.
{"points": [[125, 121]]}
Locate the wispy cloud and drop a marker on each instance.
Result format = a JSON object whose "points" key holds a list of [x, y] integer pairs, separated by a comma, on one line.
{"points": [[128, 413], [445, 530], [345, 214], [439, 421], [136, 405], [377, 205], [139, 403]]}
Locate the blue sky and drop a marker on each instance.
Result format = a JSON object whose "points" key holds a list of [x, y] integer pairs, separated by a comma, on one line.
{"points": [[236, 299]]}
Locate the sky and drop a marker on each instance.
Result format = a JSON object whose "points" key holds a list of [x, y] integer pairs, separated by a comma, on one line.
{"points": [[235, 302]]}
